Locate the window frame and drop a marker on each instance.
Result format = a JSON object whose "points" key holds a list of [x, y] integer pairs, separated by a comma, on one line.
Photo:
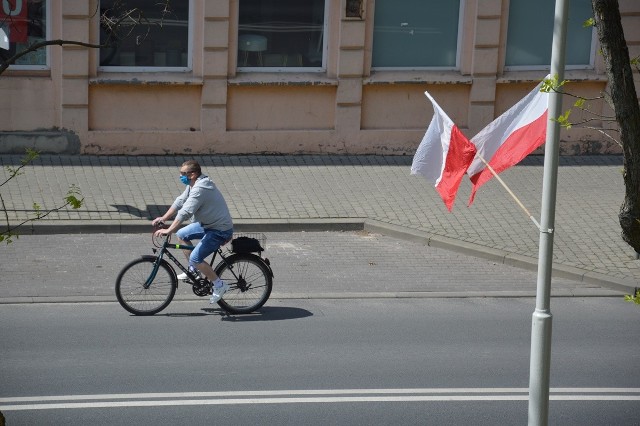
{"points": [[158, 69], [459, 44], [47, 50], [320, 69]]}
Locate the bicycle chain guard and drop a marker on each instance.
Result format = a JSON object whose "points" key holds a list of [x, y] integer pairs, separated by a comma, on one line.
{"points": [[202, 288]]}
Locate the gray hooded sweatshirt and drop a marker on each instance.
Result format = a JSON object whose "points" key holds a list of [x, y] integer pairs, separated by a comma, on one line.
{"points": [[205, 204]]}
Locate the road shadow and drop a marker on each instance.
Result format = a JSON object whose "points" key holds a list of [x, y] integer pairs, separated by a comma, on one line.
{"points": [[266, 313], [152, 210], [188, 315]]}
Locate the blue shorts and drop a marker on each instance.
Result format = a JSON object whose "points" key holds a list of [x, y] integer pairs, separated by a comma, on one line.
{"points": [[210, 240]]}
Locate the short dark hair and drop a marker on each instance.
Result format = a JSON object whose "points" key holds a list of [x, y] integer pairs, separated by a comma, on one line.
{"points": [[193, 166]]}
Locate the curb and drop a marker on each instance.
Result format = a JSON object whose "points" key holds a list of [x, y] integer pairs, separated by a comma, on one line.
{"points": [[341, 225], [596, 292], [135, 226]]}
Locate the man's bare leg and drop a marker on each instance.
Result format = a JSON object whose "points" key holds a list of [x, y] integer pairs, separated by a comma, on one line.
{"points": [[207, 270]]}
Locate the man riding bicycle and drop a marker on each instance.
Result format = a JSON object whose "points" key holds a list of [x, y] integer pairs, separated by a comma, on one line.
{"points": [[212, 223]]}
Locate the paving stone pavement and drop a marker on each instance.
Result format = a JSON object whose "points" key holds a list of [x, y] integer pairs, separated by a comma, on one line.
{"points": [[351, 264], [374, 193]]}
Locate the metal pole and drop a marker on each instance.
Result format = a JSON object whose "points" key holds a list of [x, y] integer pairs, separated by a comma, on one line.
{"points": [[540, 365]]}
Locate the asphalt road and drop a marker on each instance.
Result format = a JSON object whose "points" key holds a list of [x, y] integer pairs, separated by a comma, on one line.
{"points": [[316, 362]]}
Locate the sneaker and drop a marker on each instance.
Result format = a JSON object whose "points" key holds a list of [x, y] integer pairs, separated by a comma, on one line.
{"points": [[183, 277], [218, 292]]}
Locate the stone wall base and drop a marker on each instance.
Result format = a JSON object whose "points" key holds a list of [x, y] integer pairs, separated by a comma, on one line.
{"points": [[45, 142], [66, 142]]}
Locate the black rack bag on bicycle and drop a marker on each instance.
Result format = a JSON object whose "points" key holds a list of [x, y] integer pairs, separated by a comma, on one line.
{"points": [[246, 245]]}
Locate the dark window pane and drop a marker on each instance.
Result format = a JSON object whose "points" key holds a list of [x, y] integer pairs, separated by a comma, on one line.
{"points": [[527, 18], [416, 33], [156, 35], [281, 33], [24, 22]]}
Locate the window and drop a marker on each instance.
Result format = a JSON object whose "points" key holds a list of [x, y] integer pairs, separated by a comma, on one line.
{"points": [[155, 37], [416, 34], [530, 34], [281, 34], [22, 23]]}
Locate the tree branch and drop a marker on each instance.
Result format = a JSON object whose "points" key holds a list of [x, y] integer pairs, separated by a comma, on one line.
{"points": [[6, 215], [28, 158], [71, 199], [7, 234], [39, 45]]}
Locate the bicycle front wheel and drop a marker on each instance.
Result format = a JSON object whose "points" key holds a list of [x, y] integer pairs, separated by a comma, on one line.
{"points": [[132, 294], [249, 282]]}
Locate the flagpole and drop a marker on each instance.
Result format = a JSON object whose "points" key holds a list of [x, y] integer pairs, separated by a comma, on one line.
{"points": [[504, 185], [540, 363]]}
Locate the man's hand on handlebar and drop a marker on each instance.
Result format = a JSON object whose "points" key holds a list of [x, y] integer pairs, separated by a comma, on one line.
{"points": [[161, 232], [161, 229]]}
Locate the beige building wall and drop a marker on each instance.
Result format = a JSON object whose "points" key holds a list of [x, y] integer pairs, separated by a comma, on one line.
{"points": [[349, 109]]}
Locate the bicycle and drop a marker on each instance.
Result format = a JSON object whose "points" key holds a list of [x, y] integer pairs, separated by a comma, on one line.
{"points": [[146, 286]]}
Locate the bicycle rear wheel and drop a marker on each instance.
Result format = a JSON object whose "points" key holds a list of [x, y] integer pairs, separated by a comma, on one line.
{"points": [[132, 294], [249, 281]]}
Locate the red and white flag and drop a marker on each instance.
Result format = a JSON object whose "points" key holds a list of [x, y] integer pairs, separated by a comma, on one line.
{"points": [[443, 155], [509, 138]]}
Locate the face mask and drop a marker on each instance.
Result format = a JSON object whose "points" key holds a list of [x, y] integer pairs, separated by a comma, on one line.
{"points": [[184, 180]]}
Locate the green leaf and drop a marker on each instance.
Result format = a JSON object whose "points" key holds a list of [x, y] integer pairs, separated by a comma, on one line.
{"points": [[8, 238], [552, 84], [563, 120], [29, 156], [548, 84], [37, 209], [635, 298], [579, 103], [74, 202], [72, 197], [589, 23]]}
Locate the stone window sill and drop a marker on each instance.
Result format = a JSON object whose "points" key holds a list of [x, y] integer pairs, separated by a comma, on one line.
{"points": [[154, 79], [536, 76], [281, 79], [417, 77]]}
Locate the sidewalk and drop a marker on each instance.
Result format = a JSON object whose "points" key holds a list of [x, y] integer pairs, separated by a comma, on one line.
{"points": [[291, 193]]}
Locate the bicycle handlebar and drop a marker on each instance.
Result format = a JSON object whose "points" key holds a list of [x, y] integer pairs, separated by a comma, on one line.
{"points": [[160, 225], [158, 242]]}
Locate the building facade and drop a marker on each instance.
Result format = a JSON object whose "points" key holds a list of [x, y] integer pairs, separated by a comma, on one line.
{"points": [[286, 76]]}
